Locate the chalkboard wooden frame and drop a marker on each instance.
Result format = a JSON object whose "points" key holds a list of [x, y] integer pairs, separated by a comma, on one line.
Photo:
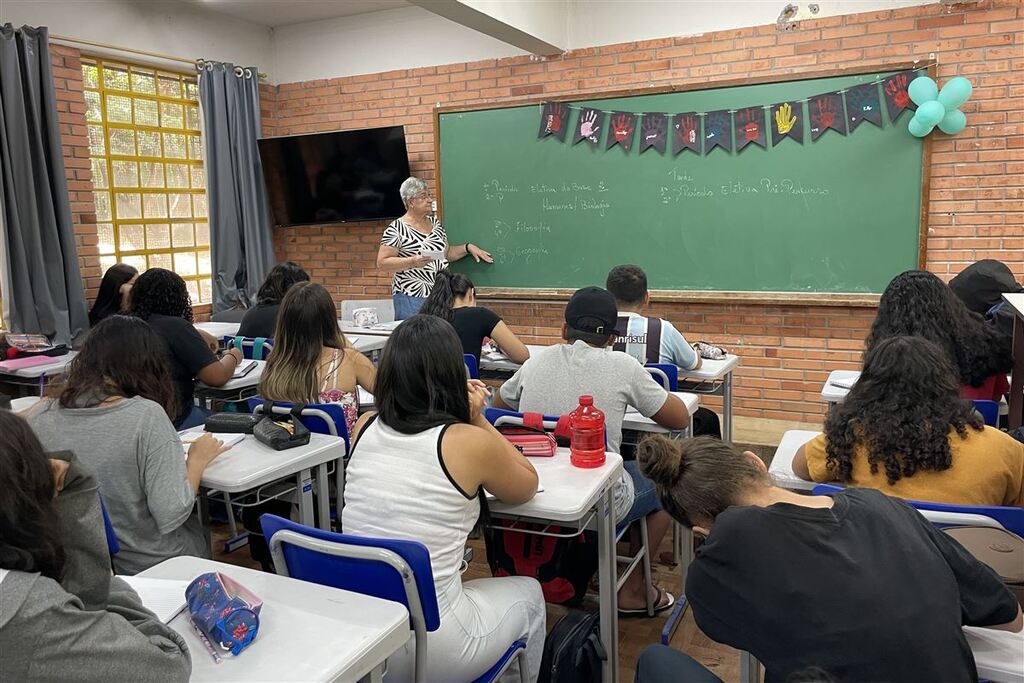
{"points": [[703, 296]]}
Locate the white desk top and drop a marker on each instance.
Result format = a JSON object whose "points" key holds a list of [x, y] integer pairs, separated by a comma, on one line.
{"points": [[1016, 301], [638, 423], [569, 491], [504, 364], [999, 655], [712, 369], [381, 330], [307, 632], [219, 329], [24, 403], [57, 367], [367, 343], [247, 382], [830, 393], [781, 469], [250, 464]]}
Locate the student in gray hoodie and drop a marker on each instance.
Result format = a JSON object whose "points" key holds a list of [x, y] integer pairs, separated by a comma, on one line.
{"points": [[62, 614]]}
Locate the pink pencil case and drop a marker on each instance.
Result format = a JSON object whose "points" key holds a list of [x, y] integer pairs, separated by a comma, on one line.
{"points": [[25, 362]]}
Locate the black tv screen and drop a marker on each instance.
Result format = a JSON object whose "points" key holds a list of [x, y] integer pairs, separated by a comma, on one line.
{"points": [[350, 175]]}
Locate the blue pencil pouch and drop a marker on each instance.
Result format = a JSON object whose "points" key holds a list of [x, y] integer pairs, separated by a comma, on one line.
{"points": [[224, 611]]}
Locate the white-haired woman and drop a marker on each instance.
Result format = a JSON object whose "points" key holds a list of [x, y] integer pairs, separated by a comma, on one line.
{"points": [[415, 247]]}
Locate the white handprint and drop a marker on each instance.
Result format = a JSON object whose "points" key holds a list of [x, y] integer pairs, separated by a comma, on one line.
{"points": [[588, 129]]}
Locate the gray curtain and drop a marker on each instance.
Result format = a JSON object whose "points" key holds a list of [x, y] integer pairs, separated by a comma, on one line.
{"points": [[43, 286], [241, 243]]}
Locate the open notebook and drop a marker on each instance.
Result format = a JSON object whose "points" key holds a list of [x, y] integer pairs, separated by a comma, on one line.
{"points": [[191, 435], [163, 597], [844, 383], [244, 368]]}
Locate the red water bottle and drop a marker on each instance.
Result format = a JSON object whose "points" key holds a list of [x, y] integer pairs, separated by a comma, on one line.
{"points": [[586, 444]]}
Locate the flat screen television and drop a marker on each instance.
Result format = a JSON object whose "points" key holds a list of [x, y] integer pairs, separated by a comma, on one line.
{"points": [[351, 175]]}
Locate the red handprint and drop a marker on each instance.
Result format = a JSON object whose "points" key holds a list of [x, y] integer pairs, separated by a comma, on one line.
{"points": [[825, 116], [687, 130], [752, 128], [896, 88], [622, 127], [556, 114]]}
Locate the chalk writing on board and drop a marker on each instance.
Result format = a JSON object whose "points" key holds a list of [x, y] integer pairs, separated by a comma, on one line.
{"points": [[576, 203], [734, 187], [542, 188], [790, 186], [684, 191], [569, 188], [496, 190], [503, 229], [519, 254]]}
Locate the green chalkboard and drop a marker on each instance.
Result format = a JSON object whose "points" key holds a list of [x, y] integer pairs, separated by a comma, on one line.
{"points": [[840, 214]]}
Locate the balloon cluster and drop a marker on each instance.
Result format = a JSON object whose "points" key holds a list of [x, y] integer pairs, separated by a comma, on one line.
{"points": [[936, 108]]}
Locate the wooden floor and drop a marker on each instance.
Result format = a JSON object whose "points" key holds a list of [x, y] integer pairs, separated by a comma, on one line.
{"points": [[635, 634]]}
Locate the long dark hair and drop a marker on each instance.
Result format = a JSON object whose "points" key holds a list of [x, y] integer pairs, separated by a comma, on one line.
{"points": [[917, 303], [447, 286], [279, 280], [161, 292], [109, 300], [30, 536], [421, 380], [900, 411], [306, 322], [122, 356]]}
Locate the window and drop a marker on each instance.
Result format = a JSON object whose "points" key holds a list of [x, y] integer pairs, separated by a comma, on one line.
{"points": [[148, 178]]}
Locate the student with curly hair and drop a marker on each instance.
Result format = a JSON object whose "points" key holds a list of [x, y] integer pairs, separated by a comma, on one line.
{"points": [[904, 429], [856, 583], [161, 298], [919, 304], [260, 320]]}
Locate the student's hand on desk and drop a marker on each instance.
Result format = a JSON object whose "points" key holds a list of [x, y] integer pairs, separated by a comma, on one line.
{"points": [[60, 471], [478, 393], [206, 448]]}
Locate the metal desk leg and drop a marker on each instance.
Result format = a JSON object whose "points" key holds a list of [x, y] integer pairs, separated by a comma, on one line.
{"points": [[339, 474], [323, 497], [750, 668], [304, 489], [606, 583], [377, 675], [204, 517], [727, 408]]}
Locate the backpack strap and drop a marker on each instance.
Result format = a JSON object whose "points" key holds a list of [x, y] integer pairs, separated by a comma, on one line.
{"points": [[533, 421], [620, 342], [654, 340], [562, 429]]}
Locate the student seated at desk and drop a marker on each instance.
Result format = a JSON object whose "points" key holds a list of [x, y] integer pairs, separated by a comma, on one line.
{"points": [[920, 304], [856, 583], [453, 298], [62, 615], [628, 284], [904, 429], [551, 383], [418, 471], [312, 361], [114, 415], [981, 286], [161, 299], [115, 292], [261, 319]]}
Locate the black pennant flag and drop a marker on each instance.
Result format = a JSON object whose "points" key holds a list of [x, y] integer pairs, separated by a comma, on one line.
{"points": [[749, 124], [620, 132], [718, 131], [687, 132], [862, 104], [896, 96], [589, 126], [827, 112], [653, 132], [554, 120], [787, 119]]}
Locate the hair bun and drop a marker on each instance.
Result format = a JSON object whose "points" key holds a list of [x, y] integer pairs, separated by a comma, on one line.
{"points": [[661, 460]]}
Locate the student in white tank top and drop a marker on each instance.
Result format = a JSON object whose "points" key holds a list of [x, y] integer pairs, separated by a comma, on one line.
{"points": [[417, 472]]}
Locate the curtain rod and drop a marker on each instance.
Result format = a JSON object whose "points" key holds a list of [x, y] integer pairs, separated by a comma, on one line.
{"points": [[107, 46]]}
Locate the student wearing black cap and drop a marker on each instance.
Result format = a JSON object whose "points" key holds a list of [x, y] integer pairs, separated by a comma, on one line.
{"points": [[554, 378]]}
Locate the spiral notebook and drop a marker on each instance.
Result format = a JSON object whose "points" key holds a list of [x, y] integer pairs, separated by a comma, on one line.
{"points": [[163, 597]]}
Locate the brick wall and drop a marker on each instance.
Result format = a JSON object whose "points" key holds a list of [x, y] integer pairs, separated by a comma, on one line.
{"points": [[977, 177]]}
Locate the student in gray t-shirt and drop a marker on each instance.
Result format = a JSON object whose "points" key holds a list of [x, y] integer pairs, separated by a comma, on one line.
{"points": [[554, 378], [114, 416]]}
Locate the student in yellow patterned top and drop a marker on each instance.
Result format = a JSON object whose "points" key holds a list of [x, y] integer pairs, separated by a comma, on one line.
{"points": [[904, 429]]}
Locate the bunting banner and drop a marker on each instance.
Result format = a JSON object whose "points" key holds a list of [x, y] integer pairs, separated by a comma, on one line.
{"points": [[787, 119], [688, 132], [653, 132], [897, 99], [554, 120], [827, 112], [718, 130], [750, 128], [589, 126], [620, 132], [862, 104]]}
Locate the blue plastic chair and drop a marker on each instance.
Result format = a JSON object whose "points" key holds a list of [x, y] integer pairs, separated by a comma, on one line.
{"points": [[944, 515], [989, 411], [113, 547], [390, 569], [472, 367], [665, 374], [253, 348]]}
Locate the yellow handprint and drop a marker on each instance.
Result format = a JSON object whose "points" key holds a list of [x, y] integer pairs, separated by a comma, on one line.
{"points": [[784, 119]]}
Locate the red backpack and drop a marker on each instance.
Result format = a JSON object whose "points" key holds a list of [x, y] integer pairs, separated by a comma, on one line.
{"points": [[562, 566]]}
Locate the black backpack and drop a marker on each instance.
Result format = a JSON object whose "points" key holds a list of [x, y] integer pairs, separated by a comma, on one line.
{"points": [[573, 651]]}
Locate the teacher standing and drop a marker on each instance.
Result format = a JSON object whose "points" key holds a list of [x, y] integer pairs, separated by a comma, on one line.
{"points": [[415, 247]]}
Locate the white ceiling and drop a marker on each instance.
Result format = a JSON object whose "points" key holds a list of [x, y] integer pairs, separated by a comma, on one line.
{"points": [[274, 13]]}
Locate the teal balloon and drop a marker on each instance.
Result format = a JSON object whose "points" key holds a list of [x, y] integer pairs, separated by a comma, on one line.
{"points": [[953, 122], [922, 89], [918, 129], [930, 113], [955, 92]]}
